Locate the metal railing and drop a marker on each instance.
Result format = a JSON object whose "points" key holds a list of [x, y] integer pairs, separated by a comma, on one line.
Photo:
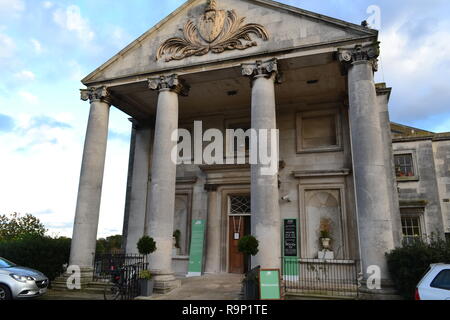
{"points": [[106, 264], [122, 270], [317, 277]]}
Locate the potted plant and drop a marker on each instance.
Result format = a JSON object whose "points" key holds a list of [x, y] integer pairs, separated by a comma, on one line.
{"points": [[325, 234], [176, 242], [146, 246], [249, 246]]}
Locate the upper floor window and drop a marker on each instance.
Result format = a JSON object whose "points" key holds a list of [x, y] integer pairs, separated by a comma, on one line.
{"points": [[404, 165]]}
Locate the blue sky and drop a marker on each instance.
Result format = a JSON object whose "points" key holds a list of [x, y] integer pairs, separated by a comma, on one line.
{"points": [[46, 47]]}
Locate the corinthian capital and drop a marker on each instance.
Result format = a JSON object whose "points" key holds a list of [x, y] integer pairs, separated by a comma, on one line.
{"points": [[266, 69], [171, 83], [96, 94], [367, 53]]}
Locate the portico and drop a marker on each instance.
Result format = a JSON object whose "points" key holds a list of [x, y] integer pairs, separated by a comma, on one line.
{"points": [[239, 65]]}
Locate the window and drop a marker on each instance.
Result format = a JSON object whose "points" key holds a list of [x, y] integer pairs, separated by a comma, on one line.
{"points": [[442, 280], [240, 205], [411, 224], [404, 165], [318, 131]]}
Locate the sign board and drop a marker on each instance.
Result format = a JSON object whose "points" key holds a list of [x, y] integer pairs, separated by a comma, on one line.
{"points": [[290, 249], [197, 248], [269, 284]]}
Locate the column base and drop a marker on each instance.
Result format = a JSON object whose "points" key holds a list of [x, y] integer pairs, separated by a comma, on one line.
{"points": [[387, 292], [164, 282]]}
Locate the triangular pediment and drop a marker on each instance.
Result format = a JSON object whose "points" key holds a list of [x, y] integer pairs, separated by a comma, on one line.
{"points": [[202, 31]]}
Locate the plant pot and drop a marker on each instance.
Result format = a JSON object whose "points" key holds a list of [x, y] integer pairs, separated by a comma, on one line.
{"points": [[146, 287], [326, 243]]}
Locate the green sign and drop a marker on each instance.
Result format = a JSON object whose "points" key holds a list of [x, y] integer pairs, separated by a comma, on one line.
{"points": [[197, 248], [269, 284], [290, 249]]}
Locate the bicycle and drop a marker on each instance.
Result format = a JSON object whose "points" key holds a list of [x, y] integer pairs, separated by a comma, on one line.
{"points": [[120, 284]]}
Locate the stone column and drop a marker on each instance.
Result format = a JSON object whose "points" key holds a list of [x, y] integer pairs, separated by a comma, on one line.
{"points": [[370, 170], [265, 220], [91, 179], [212, 264], [139, 186], [160, 217], [383, 95]]}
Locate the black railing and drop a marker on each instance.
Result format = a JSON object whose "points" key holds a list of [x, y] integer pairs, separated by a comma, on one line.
{"points": [[317, 277], [107, 264], [121, 270]]}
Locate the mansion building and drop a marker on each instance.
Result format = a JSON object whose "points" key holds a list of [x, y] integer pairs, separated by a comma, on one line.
{"points": [[260, 64]]}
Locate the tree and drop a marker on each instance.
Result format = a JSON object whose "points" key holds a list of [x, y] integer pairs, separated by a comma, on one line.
{"points": [[109, 245], [16, 227]]}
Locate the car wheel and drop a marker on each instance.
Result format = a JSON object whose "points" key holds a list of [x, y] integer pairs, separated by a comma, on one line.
{"points": [[5, 293]]}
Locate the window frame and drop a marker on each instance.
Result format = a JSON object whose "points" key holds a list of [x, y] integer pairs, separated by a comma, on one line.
{"points": [[415, 167], [313, 114], [416, 213]]}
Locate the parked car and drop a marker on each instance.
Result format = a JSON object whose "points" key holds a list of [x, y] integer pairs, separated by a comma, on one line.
{"points": [[435, 285], [19, 282]]}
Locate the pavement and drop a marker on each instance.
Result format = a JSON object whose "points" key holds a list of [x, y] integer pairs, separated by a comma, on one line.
{"points": [[207, 287]]}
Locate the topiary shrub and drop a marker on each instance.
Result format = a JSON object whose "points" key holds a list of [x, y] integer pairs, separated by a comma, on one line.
{"points": [[407, 265], [248, 245], [146, 245], [45, 254]]}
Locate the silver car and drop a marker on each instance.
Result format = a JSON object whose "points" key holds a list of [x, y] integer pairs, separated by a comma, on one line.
{"points": [[19, 282]]}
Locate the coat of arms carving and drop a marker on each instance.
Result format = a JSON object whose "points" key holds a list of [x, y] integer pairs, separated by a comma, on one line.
{"points": [[216, 31]]}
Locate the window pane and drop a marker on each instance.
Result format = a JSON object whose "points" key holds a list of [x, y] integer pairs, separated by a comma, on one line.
{"points": [[442, 280], [404, 165], [240, 205]]}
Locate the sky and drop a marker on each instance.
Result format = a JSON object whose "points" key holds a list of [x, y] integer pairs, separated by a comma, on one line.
{"points": [[47, 47]]}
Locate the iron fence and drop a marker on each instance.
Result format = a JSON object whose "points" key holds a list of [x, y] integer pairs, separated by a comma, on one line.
{"points": [[121, 270], [107, 264], [317, 277]]}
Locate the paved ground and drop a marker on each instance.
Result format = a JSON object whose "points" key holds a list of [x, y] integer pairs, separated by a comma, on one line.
{"points": [[71, 295], [208, 287]]}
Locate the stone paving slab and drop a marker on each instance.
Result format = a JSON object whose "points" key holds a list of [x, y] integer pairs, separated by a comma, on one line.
{"points": [[207, 287]]}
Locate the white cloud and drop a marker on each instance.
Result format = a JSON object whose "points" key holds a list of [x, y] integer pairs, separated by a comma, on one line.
{"points": [[11, 6], [47, 4], [25, 75], [28, 97], [7, 45], [40, 174], [71, 20], [36, 45], [416, 65]]}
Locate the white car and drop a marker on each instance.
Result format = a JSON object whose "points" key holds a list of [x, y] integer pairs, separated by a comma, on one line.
{"points": [[435, 285]]}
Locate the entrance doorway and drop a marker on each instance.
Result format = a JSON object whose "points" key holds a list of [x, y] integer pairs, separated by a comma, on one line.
{"points": [[239, 225]]}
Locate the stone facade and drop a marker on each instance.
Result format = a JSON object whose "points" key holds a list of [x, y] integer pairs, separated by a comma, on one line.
{"points": [[425, 193], [241, 64]]}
